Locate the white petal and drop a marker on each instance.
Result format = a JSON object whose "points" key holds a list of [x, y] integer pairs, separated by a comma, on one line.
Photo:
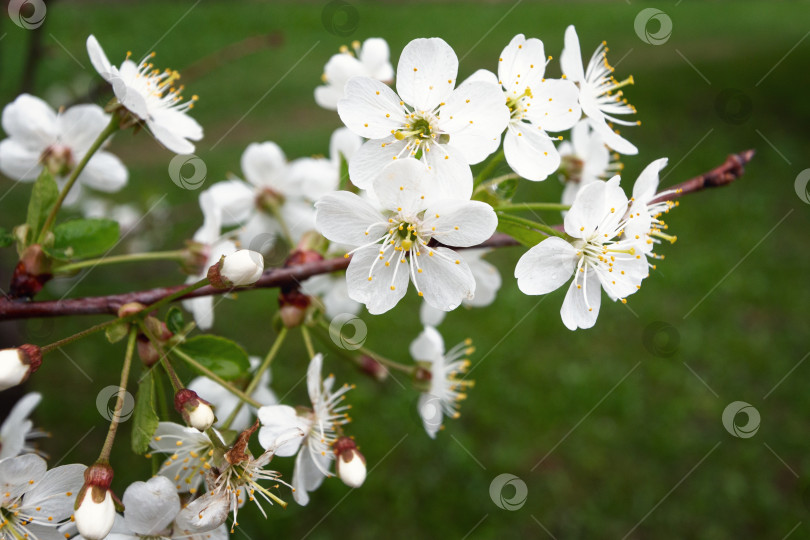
{"points": [[168, 433], [487, 279], [308, 475], [374, 55], [449, 175], [314, 381], [343, 143], [587, 211], [19, 162], [370, 108], [202, 514], [31, 121], [299, 216], [234, 199], [16, 474], [428, 346], [522, 63], [265, 165], [327, 96], [278, 420], [445, 279], [345, 218], [482, 75], [429, 408], [16, 426], [104, 172], [546, 266], [475, 116], [647, 184], [166, 136], [98, 58], [571, 57], [575, 312], [401, 185], [150, 506], [387, 286], [555, 105], [426, 73], [625, 278], [430, 316], [312, 177], [530, 152], [49, 499], [180, 123], [366, 164], [202, 309], [460, 223], [611, 138], [79, 126]]}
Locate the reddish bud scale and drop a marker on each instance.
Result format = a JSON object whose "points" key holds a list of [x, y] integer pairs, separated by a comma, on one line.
{"points": [[32, 355], [31, 273], [186, 397], [372, 368], [147, 352]]}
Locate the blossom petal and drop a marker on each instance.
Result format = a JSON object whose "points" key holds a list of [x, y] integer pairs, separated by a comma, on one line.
{"points": [[530, 152], [571, 57], [17, 473], [461, 223], [16, 425], [546, 266], [387, 285], [308, 474], [611, 138], [375, 57], [31, 121], [48, 498], [366, 164], [430, 316], [555, 105], [19, 162], [428, 346], [79, 126], [521, 64], [345, 218], [426, 72], [587, 211], [150, 506], [487, 278], [99, 58], [401, 185], [575, 311], [370, 108], [430, 410], [445, 279], [203, 514], [276, 421], [647, 184], [343, 143], [312, 177], [265, 165], [449, 175], [234, 199], [626, 276], [475, 116], [104, 172]]}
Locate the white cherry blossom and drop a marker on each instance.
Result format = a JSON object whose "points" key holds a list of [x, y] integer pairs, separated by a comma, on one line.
{"points": [[585, 159], [447, 130], [17, 430], [599, 92], [189, 452], [393, 244], [371, 59]]}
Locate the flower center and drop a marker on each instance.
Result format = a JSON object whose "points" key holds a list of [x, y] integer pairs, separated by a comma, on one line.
{"points": [[518, 105], [422, 132], [58, 159]]}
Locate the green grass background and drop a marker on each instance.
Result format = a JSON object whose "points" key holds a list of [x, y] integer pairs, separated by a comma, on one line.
{"points": [[616, 455]]}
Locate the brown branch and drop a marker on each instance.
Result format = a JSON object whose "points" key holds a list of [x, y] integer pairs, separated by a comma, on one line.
{"points": [[731, 170]]}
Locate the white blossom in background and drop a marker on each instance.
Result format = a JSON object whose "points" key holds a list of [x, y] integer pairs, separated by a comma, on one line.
{"points": [[319, 425], [447, 130], [127, 215], [536, 105], [333, 291], [34, 501], [392, 244], [599, 92], [602, 255], [17, 430], [585, 159], [487, 283], [189, 455], [208, 239], [224, 401], [39, 137], [371, 59], [446, 384], [151, 95]]}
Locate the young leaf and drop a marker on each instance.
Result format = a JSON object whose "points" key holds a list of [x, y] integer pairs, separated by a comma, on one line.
{"points": [[144, 419], [82, 238], [222, 356], [6, 238], [116, 332], [174, 320], [43, 196], [523, 234]]}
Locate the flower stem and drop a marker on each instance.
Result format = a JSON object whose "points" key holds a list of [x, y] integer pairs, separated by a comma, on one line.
{"points": [[176, 255], [257, 375], [111, 128], [119, 403], [517, 207], [307, 341], [79, 335], [216, 378], [545, 229], [489, 168]]}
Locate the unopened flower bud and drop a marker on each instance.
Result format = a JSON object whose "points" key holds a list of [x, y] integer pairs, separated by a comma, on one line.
{"points": [[147, 352], [197, 255], [130, 308], [240, 268], [94, 510], [372, 368], [293, 306], [17, 364], [350, 464], [195, 411]]}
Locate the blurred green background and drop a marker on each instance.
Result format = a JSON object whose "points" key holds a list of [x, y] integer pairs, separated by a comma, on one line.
{"points": [[615, 430]]}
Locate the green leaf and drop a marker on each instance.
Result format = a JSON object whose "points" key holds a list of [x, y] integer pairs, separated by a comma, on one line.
{"points": [[116, 332], [174, 320], [43, 197], [6, 238], [523, 234], [144, 419], [222, 356], [82, 238]]}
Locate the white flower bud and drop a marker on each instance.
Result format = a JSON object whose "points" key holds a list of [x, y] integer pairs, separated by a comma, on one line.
{"points": [[95, 519], [240, 268], [17, 364], [201, 417], [351, 464], [195, 410]]}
